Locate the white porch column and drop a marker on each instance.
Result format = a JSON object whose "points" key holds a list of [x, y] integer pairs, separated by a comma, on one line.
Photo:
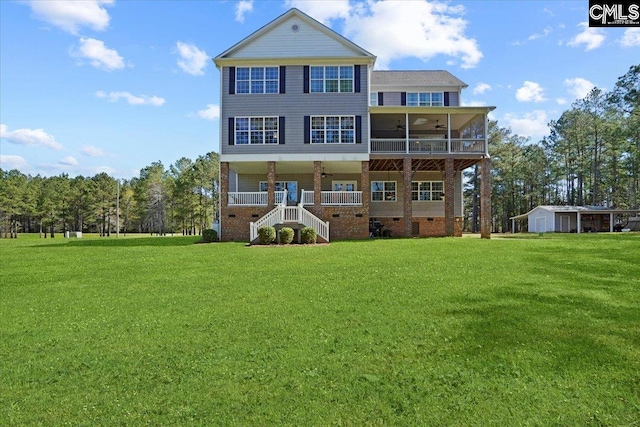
{"points": [[448, 132], [611, 222], [579, 226], [406, 132]]}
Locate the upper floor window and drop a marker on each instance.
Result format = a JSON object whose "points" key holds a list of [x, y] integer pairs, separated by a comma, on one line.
{"points": [[425, 99], [426, 190], [256, 130], [331, 79], [333, 129], [373, 99], [257, 80]]}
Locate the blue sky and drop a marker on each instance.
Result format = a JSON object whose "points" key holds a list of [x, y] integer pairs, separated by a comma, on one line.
{"points": [[112, 86]]}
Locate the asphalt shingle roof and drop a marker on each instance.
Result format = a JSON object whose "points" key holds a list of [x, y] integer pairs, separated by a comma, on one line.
{"points": [[415, 78]]}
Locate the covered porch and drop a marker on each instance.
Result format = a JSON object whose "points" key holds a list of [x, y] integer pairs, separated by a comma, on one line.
{"points": [[429, 130]]}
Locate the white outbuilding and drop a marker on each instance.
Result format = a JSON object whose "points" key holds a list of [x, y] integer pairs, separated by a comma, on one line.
{"points": [[577, 219]]}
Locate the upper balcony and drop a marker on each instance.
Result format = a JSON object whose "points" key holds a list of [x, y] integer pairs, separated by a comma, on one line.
{"points": [[459, 131]]}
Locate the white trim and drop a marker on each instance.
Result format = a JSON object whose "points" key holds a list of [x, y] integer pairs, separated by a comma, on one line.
{"points": [[297, 157], [395, 183], [339, 79], [249, 131], [430, 96], [325, 130]]}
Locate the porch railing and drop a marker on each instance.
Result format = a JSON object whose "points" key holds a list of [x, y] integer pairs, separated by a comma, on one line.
{"points": [[425, 145], [253, 198], [306, 198], [333, 198], [341, 198], [247, 198]]}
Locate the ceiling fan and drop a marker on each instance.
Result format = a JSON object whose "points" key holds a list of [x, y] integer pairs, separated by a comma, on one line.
{"points": [[324, 174], [438, 126], [399, 126]]}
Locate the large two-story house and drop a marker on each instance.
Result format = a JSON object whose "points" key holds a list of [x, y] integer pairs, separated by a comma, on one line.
{"points": [[311, 135]]}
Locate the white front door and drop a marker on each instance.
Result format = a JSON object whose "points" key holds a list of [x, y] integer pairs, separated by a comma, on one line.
{"points": [[541, 225]]}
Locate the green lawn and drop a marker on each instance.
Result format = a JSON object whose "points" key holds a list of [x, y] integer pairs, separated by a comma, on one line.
{"points": [[159, 331]]}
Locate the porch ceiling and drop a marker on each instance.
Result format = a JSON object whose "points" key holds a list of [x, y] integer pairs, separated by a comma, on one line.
{"points": [[260, 168], [419, 123], [378, 165]]}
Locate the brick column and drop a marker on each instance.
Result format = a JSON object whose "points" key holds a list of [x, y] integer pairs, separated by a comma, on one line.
{"points": [[407, 203], [271, 184], [365, 186], [317, 183], [485, 198], [449, 196]]}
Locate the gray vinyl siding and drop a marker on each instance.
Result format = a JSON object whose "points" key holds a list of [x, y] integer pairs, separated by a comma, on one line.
{"points": [[294, 105], [419, 209], [282, 42]]}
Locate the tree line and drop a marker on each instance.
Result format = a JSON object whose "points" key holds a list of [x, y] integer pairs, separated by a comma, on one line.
{"points": [[182, 198], [590, 157]]}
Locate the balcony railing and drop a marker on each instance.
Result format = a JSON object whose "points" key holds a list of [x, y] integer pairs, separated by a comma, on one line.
{"points": [[333, 198], [427, 146], [341, 198], [252, 198]]}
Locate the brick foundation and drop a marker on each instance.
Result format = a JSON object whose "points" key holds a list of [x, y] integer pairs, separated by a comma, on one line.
{"points": [[236, 227]]}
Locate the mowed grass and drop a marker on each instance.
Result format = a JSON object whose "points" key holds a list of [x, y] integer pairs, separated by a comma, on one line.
{"points": [[426, 332]]}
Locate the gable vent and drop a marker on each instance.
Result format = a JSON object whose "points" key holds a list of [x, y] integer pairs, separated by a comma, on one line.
{"points": [[295, 28]]}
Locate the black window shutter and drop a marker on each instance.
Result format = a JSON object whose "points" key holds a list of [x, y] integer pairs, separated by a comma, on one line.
{"points": [[446, 99], [358, 129], [232, 131], [403, 98], [232, 80], [356, 78], [306, 79], [307, 129], [281, 130], [283, 73], [380, 98]]}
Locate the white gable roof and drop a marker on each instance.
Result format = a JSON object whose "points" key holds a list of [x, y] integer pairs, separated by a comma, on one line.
{"points": [[294, 35]]}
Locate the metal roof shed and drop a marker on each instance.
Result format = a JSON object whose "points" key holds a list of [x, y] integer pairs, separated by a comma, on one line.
{"points": [[572, 219]]}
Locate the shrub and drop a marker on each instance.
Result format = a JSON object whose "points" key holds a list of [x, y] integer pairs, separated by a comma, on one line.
{"points": [[266, 235], [308, 235], [286, 235], [209, 236]]}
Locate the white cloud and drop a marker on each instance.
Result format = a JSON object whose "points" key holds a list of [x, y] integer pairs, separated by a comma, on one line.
{"points": [[29, 137], [530, 91], [242, 7], [481, 88], [98, 54], [9, 162], [132, 99], [70, 15], [544, 33], [94, 170], [319, 10], [631, 37], [400, 29], [591, 37], [561, 101], [532, 124], [578, 87], [91, 151], [192, 60], [212, 112], [68, 161]]}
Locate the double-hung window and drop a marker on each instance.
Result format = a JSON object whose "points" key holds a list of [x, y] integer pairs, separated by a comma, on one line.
{"points": [[426, 190], [333, 129], [257, 80], [383, 191], [425, 99], [256, 130], [331, 79]]}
